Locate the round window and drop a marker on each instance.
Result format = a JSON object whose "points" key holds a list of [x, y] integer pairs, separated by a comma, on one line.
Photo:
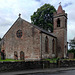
{"points": [[19, 33]]}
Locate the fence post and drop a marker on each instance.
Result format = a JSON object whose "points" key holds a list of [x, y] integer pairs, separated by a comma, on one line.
{"points": [[43, 65]]}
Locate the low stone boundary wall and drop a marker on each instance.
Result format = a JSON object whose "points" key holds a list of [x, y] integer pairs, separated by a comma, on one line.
{"points": [[16, 66], [66, 63]]}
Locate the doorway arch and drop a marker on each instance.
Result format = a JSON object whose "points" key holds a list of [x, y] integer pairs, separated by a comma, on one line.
{"points": [[21, 55], [15, 55]]}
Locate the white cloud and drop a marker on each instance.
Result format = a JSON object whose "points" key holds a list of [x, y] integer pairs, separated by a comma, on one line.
{"points": [[9, 10]]}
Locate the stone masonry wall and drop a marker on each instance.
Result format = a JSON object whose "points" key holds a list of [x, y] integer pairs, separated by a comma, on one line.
{"points": [[49, 54], [61, 34], [29, 43]]}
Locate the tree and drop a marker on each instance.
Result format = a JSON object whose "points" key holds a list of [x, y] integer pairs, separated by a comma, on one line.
{"points": [[72, 47], [43, 17], [0, 39], [72, 44], [0, 44]]}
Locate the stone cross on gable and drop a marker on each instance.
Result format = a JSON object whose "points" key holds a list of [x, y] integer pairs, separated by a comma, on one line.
{"points": [[60, 3], [19, 15]]}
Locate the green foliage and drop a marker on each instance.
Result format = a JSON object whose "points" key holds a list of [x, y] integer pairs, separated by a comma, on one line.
{"points": [[0, 39], [0, 45], [72, 44], [54, 60], [43, 17], [0, 49], [10, 60], [69, 59], [71, 51]]}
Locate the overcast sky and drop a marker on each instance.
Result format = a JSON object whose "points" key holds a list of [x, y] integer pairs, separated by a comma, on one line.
{"points": [[9, 10]]}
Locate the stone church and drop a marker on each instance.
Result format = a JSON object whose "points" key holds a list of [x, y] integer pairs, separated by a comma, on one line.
{"points": [[28, 42]]}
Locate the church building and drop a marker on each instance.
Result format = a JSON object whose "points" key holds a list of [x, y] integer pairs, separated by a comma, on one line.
{"points": [[28, 42]]}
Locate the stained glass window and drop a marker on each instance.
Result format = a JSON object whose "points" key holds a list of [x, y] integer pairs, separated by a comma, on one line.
{"points": [[19, 33]]}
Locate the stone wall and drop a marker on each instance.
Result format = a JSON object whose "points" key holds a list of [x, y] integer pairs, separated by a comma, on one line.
{"points": [[61, 34], [18, 66], [71, 55], [29, 43], [50, 45]]}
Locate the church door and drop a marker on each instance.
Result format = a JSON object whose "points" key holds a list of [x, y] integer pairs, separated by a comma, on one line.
{"points": [[3, 54], [21, 55], [15, 55]]}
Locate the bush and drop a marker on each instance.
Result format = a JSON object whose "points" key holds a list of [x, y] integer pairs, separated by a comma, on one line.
{"points": [[71, 51]]}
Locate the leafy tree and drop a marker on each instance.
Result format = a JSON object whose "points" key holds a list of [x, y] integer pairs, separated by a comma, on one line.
{"points": [[0, 39], [72, 44], [43, 17], [0, 45], [71, 51]]}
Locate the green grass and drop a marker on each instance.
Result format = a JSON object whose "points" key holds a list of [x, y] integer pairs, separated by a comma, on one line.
{"points": [[69, 59], [54, 60], [11, 60]]}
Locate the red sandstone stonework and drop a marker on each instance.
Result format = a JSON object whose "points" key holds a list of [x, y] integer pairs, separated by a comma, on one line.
{"points": [[59, 9], [61, 32], [30, 43]]}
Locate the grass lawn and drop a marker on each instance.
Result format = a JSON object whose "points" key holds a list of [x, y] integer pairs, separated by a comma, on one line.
{"points": [[7, 60], [10, 60], [70, 59], [54, 60]]}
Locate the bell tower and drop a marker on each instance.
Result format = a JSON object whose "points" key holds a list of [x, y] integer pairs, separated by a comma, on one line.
{"points": [[60, 31]]}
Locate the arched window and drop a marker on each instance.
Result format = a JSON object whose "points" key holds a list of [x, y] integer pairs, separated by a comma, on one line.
{"points": [[53, 42], [15, 55], [19, 33], [21, 55], [58, 22], [46, 44]]}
